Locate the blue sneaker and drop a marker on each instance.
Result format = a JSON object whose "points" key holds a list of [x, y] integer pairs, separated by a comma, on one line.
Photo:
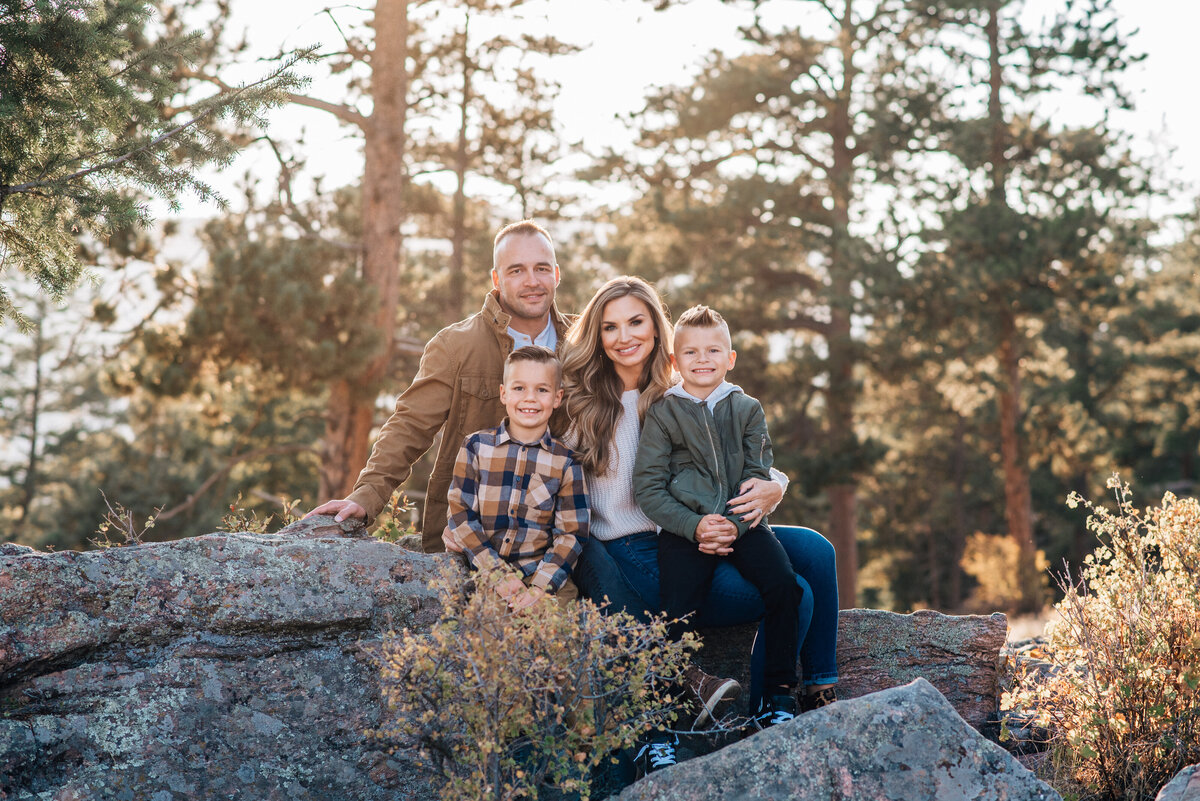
{"points": [[656, 754], [775, 709]]}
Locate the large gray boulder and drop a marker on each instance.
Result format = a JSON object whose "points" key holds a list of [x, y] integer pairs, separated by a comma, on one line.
{"points": [[222, 666], [239, 665], [957, 654], [905, 743], [1184, 787]]}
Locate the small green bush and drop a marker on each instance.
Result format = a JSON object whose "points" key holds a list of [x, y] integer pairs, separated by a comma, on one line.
{"points": [[1122, 703], [501, 703]]}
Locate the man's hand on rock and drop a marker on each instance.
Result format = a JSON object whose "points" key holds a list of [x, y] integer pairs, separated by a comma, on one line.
{"points": [[339, 509]]}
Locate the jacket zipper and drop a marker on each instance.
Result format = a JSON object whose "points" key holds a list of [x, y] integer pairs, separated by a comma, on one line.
{"points": [[716, 458]]}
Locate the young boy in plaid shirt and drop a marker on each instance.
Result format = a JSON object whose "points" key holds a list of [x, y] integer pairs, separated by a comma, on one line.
{"points": [[517, 497]]}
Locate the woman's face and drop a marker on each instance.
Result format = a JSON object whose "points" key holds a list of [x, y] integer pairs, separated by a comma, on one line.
{"points": [[627, 336]]}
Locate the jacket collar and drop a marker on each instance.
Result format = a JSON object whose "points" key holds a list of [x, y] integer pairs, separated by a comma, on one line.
{"points": [[499, 319]]}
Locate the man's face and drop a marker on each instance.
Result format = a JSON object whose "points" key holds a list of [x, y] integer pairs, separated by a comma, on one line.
{"points": [[526, 275]]}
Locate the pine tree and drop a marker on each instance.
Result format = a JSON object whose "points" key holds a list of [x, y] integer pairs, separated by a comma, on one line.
{"points": [[382, 62], [87, 131], [1034, 212], [756, 182]]}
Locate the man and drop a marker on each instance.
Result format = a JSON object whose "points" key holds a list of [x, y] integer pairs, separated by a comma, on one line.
{"points": [[457, 386]]}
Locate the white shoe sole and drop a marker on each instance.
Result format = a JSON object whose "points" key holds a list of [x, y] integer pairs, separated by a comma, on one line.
{"points": [[726, 694]]}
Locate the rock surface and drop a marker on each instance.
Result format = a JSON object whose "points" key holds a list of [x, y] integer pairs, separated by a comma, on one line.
{"points": [[905, 743], [1184, 787], [957, 654], [239, 665], [222, 666]]}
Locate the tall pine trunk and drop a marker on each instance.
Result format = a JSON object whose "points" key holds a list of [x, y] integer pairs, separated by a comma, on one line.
{"points": [[1018, 503], [35, 410], [458, 235], [843, 392], [349, 414]]}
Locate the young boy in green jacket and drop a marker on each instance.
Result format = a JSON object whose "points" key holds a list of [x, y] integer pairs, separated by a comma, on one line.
{"points": [[698, 444]]}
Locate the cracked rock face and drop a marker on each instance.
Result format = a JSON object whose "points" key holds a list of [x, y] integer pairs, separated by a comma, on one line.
{"points": [[901, 744], [222, 666], [957, 654], [240, 666]]}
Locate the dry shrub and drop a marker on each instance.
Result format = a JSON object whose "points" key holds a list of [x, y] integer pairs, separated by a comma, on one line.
{"points": [[994, 561], [501, 703], [1122, 703]]}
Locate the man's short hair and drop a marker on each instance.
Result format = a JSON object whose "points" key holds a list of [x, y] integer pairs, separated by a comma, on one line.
{"points": [[702, 317], [539, 355], [522, 228]]}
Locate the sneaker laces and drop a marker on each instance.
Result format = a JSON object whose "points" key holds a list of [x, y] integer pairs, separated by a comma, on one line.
{"points": [[659, 755], [773, 717]]}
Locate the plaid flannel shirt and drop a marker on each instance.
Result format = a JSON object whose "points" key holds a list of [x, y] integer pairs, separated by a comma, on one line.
{"points": [[519, 503]]}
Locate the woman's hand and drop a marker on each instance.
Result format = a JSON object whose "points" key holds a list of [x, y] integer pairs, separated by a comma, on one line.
{"points": [[759, 496]]}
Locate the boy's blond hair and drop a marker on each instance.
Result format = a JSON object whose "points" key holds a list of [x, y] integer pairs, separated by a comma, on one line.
{"points": [[702, 317]]}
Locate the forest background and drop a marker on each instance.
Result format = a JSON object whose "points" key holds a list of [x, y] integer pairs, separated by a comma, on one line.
{"points": [[961, 268]]}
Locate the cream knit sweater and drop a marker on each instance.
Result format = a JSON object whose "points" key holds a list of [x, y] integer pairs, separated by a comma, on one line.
{"points": [[614, 511]]}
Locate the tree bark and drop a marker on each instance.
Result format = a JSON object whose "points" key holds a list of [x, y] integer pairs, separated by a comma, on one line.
{"points": [[454, 298], [1018, 502], [349, 414], [843, 392], [30, 487]]}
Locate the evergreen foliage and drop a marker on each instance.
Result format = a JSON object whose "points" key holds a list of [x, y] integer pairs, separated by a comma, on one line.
{"points": [[90, 125]]}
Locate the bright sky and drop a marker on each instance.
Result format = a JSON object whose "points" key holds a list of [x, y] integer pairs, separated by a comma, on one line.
{"points": [[631, 48]]}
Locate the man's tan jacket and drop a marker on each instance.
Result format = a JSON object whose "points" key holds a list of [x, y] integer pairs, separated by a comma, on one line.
{"points": [[456, 387]]}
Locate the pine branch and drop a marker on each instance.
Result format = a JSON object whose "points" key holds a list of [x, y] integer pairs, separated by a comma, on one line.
{"points": [[152, 145], [342, 112]]}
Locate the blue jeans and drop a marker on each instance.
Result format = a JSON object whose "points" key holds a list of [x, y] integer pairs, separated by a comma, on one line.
{"points": [[625, 571]]}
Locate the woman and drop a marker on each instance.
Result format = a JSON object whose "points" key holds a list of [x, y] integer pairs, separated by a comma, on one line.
{"points": [[615, 365]]}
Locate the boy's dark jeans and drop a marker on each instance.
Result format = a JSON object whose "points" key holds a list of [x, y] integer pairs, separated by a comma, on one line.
{"points": [[685, 573]]}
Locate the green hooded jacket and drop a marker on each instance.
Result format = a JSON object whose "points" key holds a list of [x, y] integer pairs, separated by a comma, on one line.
{"points": [[691, 460]]}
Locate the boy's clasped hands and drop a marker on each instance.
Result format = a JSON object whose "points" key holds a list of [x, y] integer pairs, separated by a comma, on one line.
{"points": [[519, 597], [715, 534]]}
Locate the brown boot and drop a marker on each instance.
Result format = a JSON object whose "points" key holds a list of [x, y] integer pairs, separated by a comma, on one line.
{"points": [[709, 694]]}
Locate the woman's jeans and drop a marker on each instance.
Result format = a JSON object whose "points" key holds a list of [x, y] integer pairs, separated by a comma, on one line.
{"points": [[625, 571]]}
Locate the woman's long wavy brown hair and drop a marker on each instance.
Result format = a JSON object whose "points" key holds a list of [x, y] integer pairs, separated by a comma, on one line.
{"points": [[593, 390]]}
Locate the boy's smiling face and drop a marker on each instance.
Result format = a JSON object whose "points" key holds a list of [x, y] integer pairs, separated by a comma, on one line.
{"points": [[702, 357], [530, 394]]}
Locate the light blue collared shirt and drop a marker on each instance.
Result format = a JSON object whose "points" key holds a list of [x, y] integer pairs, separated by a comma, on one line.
{"points": [[548, 338]]}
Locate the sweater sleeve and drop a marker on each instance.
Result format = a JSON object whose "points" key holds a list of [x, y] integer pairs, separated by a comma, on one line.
{"points": [[651, 476]]}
